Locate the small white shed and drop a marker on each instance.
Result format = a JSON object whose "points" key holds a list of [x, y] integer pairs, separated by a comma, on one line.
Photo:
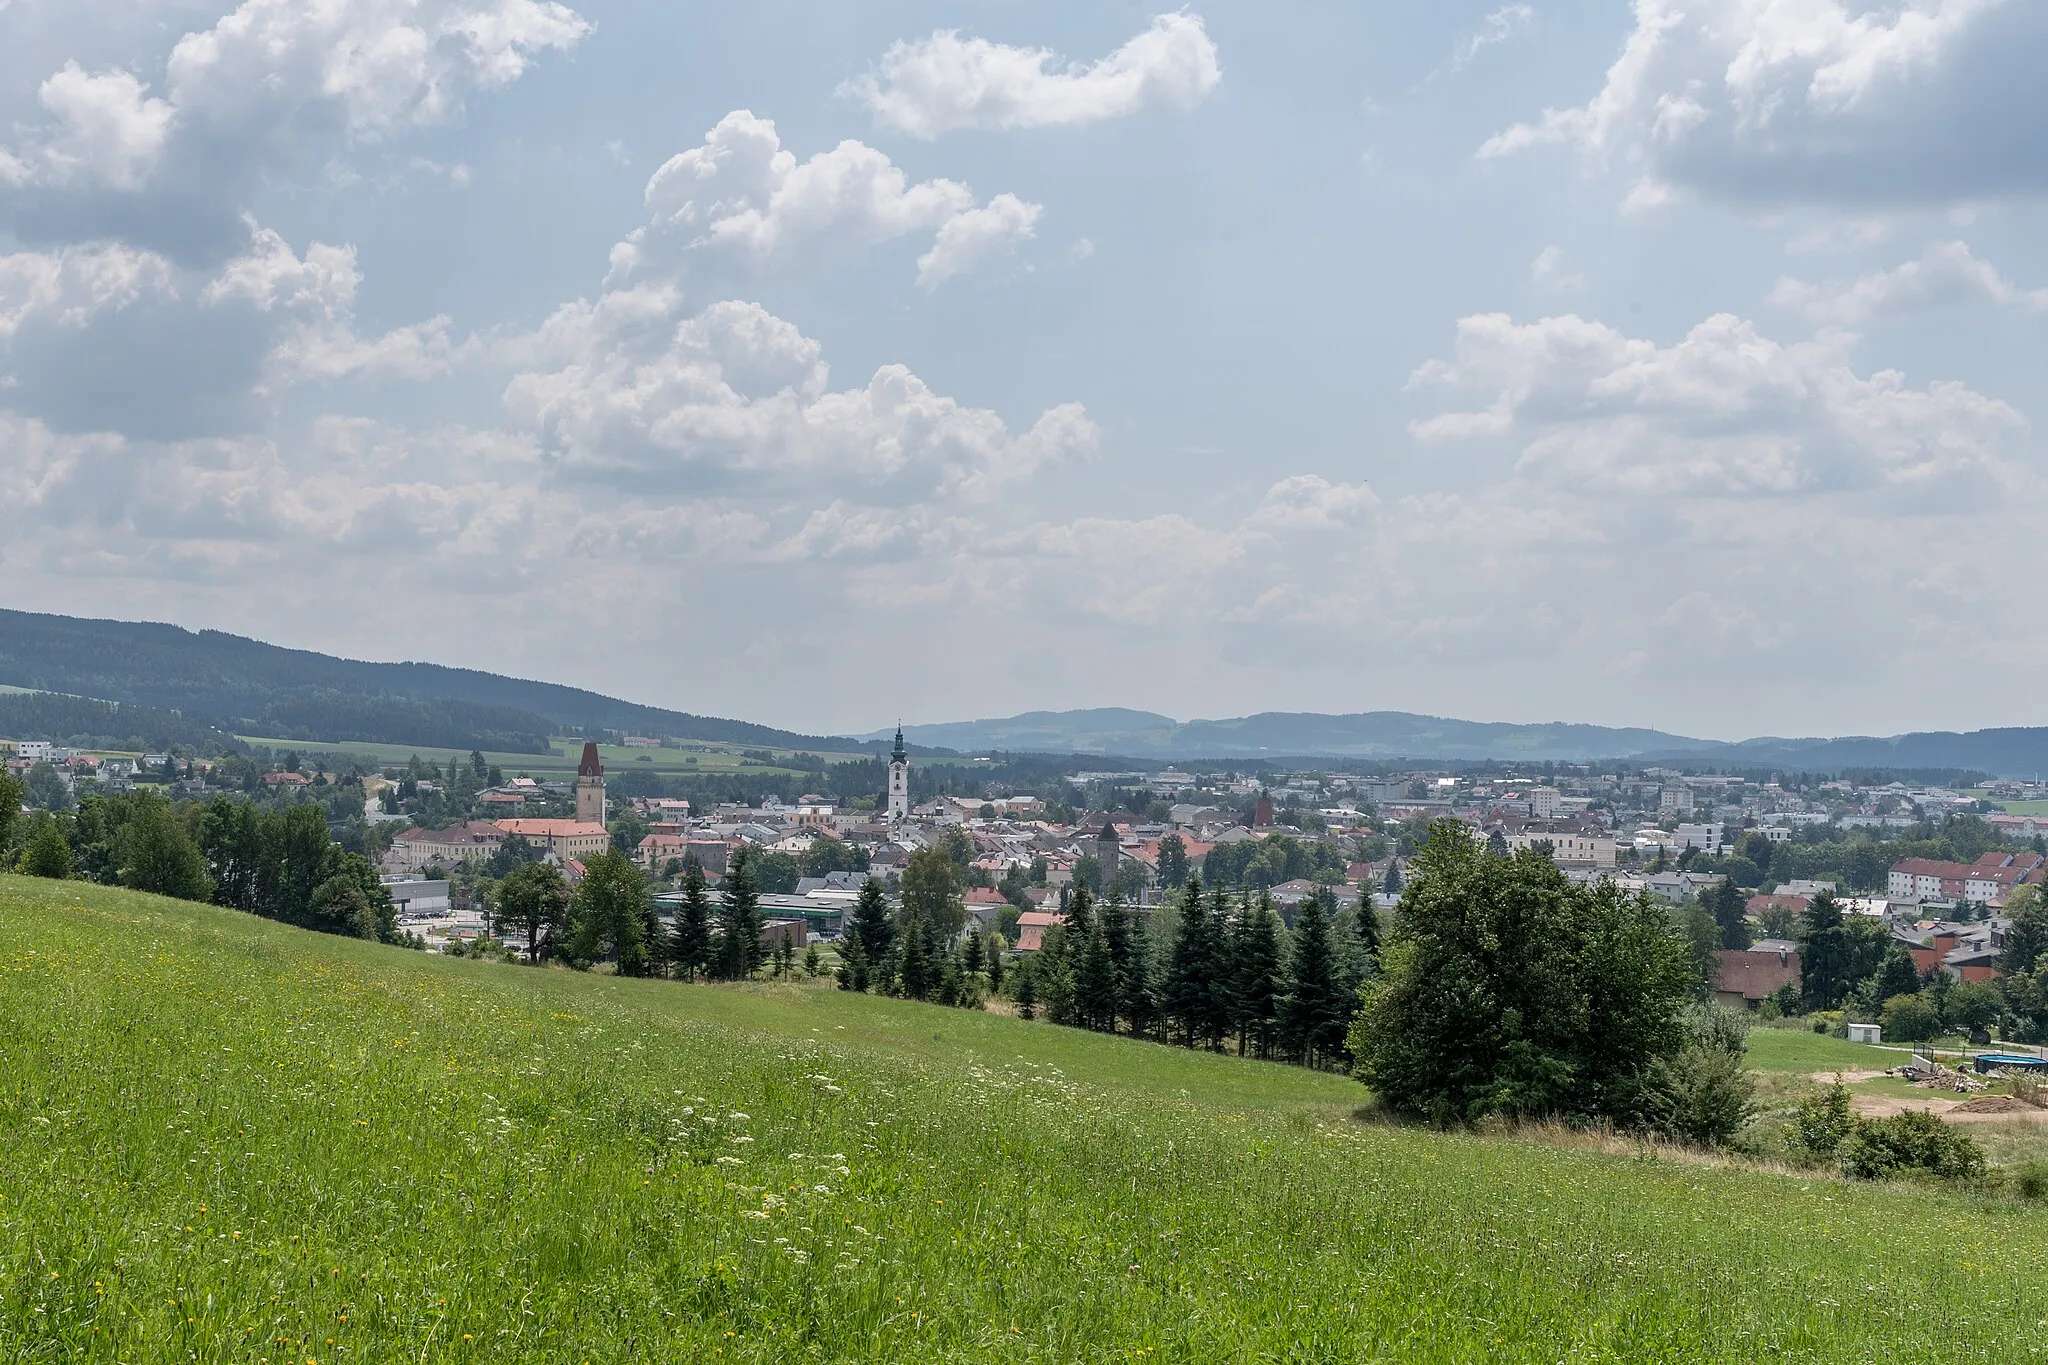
{"points": [[1865, 1033]]}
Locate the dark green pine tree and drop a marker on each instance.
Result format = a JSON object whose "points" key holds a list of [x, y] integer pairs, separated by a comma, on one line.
{"points": [[1217, 999], [740, 951], [1367, 919], [970, 954], [1080, 913], [853, 965], [1317, 1010], [689, 945], [992, 955], [1185, 994], [1824, 953], [1730, 912], [1027, 989], [871, 927], [916, 973], [1134, 978], [1256, 977], [1095, 1003]]}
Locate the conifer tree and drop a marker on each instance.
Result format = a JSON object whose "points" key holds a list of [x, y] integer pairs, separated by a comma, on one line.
{"points": [[740, 952], [1256, 976], [1134, 979], [992, 954], [1185, 996], [871, 927], [1317, 1010], [1080, 913], [1217, 996], [970, 954], [689, 946], [853, 965], [1027, 989], [915, 971], [1095, 1003]]}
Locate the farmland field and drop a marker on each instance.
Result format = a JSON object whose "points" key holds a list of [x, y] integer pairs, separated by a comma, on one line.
{"points": [[224, 1140]]}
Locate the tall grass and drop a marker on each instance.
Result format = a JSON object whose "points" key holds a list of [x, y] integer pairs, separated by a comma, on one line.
{"points": [[226, 1140]]}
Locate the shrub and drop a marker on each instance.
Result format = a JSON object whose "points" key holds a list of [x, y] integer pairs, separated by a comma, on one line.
{"points": [[1910, 1019], [1912, 1141], [1822, 1122], [1703, 1094], [2030, 1179]]}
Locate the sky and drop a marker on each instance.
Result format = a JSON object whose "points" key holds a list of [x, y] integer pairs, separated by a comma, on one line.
{"points": [[1676, 364]]}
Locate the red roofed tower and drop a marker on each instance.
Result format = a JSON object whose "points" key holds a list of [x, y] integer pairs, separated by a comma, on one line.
{"points": [[590, 809]]}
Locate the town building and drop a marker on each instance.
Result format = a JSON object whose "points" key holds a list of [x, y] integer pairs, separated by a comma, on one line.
{"points": [[565, 839], [416, 849], [590, 807], [899, 782]]}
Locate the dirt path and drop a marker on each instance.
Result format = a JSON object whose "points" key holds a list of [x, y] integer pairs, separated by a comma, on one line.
{"points": [[1884, 1106], [1848, 1077]]}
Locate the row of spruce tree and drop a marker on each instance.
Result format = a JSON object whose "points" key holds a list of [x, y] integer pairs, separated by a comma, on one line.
{"points": [[1213, 971], [1209, 970]]}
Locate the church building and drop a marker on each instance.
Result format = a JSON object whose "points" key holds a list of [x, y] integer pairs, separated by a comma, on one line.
{"points": [[899, 782]]}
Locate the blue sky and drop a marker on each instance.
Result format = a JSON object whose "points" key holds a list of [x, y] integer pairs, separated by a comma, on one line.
{"points": [[1672, 364]]}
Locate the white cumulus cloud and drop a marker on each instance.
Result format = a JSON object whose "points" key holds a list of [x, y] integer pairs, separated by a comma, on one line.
{"points": [[945, 82], [741, 203], [1823, 101], [1946, 275], [1724, 411], [257, 92]]}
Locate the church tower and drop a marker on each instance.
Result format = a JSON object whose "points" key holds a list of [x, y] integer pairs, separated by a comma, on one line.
{"points": [[590, 808], [899, 782]]}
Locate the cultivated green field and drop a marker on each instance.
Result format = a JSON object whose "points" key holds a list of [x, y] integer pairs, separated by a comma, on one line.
{"points": [[222, 1140]]}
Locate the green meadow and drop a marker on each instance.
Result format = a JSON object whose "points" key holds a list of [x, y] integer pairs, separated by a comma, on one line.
{"points": [[225, 1140]]}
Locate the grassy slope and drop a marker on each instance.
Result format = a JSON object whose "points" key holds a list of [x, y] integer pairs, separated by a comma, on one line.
{"points": [[225, 1140]]}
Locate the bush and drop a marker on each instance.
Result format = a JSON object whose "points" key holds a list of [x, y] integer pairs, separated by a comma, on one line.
{"points": [[1703, 1094], [2030, 1179], [1910, 1019], [1822, 1122], [1909, 1142]]}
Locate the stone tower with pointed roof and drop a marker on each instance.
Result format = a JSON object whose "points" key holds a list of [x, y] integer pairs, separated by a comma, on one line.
{"points": [[1109, 849], [590, 808], [899, 782]]}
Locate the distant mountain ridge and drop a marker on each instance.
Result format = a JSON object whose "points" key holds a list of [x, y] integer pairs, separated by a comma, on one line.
{"points": [[246, 686], [236, 685], [1276, 734], [1393, 735]]}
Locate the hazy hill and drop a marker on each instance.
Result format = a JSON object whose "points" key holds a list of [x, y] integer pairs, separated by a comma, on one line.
{"points": [[1375, 735], [1388, 735], [256, 688], [175, 684]]}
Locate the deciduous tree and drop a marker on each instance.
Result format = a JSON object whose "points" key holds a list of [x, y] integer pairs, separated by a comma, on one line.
{"points": [[533, 902]]}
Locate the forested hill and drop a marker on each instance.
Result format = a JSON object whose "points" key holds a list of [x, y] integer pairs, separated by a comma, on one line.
{"points": [[255, 688]]}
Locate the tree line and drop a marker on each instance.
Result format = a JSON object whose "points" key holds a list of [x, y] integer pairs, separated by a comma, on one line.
{"points": [[1217, 970], [281, 864]]}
